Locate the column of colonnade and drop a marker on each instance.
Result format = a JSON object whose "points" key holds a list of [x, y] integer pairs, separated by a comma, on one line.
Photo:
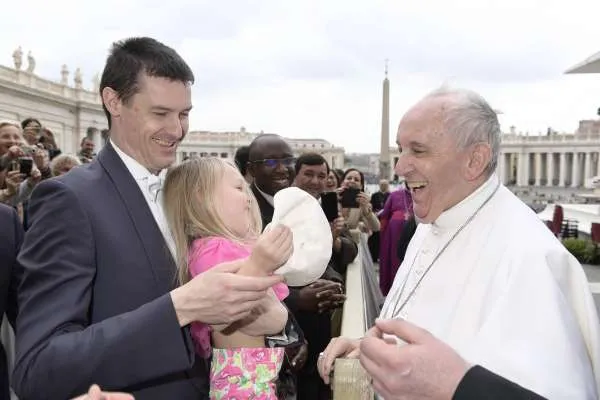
{"points": [[574, 168]]}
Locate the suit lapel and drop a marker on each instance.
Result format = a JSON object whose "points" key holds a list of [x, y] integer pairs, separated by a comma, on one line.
{"points": [[157, 252]]}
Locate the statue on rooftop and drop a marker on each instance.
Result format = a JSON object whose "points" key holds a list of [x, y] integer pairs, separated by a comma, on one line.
{"points": [[64, 75], [30, 62], [18, 58], [96, 82], [78, 79]]}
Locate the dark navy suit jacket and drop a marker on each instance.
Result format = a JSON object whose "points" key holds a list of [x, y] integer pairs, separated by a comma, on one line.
{"points": [[11, 237], [94, 300], [480, 383]]}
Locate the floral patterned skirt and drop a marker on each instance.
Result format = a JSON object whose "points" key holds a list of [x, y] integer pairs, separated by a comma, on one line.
{"points": [[245, 373]]}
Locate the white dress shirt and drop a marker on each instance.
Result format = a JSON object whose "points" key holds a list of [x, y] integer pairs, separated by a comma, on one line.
{"points": [[268, 197], [151, 187]]}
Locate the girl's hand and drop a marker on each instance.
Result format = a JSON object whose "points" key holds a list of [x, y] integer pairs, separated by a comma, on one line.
{"points": [[272, 249]]}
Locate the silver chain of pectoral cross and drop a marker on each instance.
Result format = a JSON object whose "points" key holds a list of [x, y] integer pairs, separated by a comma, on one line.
{"points": [[398, 308]]}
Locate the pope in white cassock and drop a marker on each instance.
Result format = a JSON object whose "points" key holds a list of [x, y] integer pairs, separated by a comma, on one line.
{"points": [[482, 272]]}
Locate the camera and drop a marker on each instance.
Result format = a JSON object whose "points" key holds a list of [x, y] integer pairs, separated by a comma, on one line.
{"points": [[24, 165]]}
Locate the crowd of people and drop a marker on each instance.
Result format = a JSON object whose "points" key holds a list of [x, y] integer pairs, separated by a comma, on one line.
{"points": [[131, 274]]}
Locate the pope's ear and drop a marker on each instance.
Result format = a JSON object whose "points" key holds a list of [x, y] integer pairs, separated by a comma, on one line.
{"points": [[478, 160]]}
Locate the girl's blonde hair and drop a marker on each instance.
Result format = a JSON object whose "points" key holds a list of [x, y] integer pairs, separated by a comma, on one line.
{"points": [[190, 198]]}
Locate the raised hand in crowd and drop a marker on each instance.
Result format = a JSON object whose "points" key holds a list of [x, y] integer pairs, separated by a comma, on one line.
{"points": [[13, 180], [41, 158], [364, 203]]}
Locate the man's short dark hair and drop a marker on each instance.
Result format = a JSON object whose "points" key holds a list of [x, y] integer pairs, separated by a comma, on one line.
{"points": [[27, 121], [242, 155], [130, 57], [311, 159]]}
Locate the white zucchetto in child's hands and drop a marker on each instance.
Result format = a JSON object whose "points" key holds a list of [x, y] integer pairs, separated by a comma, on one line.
{"points": [[311, 231]]}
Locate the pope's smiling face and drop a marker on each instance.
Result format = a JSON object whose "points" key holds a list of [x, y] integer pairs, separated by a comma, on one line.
{"points": [[431, 161]]}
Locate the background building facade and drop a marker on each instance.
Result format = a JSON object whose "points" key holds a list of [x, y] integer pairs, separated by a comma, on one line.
{"points": [[225, 144], [68, 110]]}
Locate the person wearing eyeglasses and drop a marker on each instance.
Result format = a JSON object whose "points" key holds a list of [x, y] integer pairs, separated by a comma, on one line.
{"points": [[271, 163]]}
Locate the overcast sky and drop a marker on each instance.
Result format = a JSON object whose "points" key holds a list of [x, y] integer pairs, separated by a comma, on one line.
{"points": [[313, 68]]}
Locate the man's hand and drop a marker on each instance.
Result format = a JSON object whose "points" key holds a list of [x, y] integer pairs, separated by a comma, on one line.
{"points": [[310, 296], [41, 158], [14, 152], [96, 394], [220, 296], [34, 178], [13, 180], [337, 227], [331, 298], [423, 368], [298, 355], [339, 347], [364, 202]]}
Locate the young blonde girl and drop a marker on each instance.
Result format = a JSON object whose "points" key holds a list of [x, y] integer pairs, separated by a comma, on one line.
{"points": [[214, 219]]}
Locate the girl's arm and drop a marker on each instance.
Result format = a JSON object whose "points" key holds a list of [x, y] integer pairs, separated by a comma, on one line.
{"points": [[270, 315], [268, 318]]}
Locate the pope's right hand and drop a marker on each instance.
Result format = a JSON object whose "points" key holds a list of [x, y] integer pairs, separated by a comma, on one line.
{"points": [[221, 296], [339, 347]]}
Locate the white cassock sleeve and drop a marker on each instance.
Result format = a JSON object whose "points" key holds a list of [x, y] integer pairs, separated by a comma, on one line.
{"points": [[541, 328], [313, 242]]}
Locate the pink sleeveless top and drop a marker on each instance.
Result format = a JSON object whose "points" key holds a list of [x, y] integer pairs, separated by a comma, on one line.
{"points": [[205, 254]]}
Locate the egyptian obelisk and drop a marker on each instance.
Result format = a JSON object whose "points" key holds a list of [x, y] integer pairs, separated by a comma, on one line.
{"points": [[384, 153]]}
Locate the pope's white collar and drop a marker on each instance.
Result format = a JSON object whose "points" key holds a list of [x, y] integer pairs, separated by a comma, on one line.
{"points": [[458, 214]]}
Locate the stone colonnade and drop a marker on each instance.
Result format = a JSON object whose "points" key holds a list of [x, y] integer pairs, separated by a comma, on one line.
{"points": [[551, 169]]}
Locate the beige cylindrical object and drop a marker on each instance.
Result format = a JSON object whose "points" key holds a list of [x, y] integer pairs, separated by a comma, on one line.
{"points": [[351, 381]]}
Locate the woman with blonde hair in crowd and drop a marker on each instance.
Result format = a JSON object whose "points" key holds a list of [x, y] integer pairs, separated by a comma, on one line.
{"points": [[214, 219], [12, 149], [63, 164]]}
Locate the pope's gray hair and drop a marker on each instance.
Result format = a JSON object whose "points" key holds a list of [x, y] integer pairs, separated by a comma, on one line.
{"points": [[471, 120]]}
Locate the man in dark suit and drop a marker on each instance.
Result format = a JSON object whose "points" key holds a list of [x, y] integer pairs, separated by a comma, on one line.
{"points": [[272, 165], [312, 305], [98, 302], [11, 237]]}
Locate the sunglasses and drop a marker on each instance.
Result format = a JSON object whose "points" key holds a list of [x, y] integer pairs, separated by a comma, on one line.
{"points": [[273, 162]]}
